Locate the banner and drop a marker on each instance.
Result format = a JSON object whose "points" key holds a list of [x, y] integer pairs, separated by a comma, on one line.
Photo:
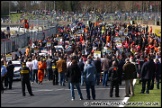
{"points": [[97, 54], [158, 32], [36, 50], [48, 43], [8, 57]]}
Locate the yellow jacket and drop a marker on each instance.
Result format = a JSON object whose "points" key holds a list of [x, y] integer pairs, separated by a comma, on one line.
{"points": [[61, 65]]}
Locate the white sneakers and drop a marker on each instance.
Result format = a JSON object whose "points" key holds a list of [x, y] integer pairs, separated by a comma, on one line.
{"points": [[72, 99]]}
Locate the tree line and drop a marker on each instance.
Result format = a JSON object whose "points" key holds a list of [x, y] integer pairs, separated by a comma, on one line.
{"points": [[83, 6]]}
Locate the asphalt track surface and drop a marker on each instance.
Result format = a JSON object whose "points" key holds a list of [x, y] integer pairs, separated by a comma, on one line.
{"points": [[49, 95]]}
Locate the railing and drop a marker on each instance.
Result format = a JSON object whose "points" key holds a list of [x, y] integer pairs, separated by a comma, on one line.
{"points": [[12, 44]]}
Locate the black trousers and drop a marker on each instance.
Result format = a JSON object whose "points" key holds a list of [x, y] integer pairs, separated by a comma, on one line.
{"points": [[55, 77], [116, 85], [153, 80], [2, 88], [27, 83], [49, 74], [144, 81], [10, 81]]}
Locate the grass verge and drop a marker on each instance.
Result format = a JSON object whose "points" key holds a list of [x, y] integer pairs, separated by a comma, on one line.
{"points": [[153, 99], [15, 17]]}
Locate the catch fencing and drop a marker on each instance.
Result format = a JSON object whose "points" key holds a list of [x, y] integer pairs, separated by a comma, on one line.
{"points": [[20, 41]]}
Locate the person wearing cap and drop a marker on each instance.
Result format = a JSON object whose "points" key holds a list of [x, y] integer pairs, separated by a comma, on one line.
{"points": [[25, 80], [128, 70]]}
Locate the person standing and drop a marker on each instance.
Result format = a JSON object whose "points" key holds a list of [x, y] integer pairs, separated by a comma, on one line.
{"points": [[81, 67], [27, 51], [10, 73], [35, 70], [120, 68], [157, 72], [113, 75], [68, 63], [3, 74], [74, 75], [55, 73], [61, 66], [89, 72], [49, 68], [147, 71], [129, 69], [98, 69], [105, 67], [29, 64], [25, 80], [40, 71]]}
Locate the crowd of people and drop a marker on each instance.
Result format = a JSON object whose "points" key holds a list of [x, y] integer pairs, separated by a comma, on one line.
{"points": [[140, 58]]}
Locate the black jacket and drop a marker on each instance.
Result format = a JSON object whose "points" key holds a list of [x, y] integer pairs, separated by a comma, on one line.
{"points": [[98, 65], [148, 69], [24, 71], [113, 73], [81, 66], [10, 70], [74, 73]]}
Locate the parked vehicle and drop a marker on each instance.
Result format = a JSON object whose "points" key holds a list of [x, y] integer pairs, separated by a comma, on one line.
{"points": [[17, 67]]}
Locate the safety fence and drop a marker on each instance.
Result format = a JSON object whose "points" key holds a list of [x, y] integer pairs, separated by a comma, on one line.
{"points": [[20, 41]]}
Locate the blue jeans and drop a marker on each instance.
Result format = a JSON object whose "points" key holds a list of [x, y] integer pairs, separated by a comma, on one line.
{"points": [[78, 89], [82, 80], [34, 75], [90, 84], [62, 78], [105, 78]]}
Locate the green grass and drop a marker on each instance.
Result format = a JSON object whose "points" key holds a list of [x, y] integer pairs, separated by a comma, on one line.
{"points": [[15, 17], [153, 99]]}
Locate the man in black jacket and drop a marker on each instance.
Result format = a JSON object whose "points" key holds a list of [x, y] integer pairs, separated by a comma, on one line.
{"points": [[114, 79], [147, 71], [10, 72], [120, 68], [74, 75], [25, 80], [98, 69], [81, 67]]}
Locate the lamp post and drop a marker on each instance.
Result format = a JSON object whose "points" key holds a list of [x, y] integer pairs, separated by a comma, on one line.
{"points": [[9, 13], [54, 5]]}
